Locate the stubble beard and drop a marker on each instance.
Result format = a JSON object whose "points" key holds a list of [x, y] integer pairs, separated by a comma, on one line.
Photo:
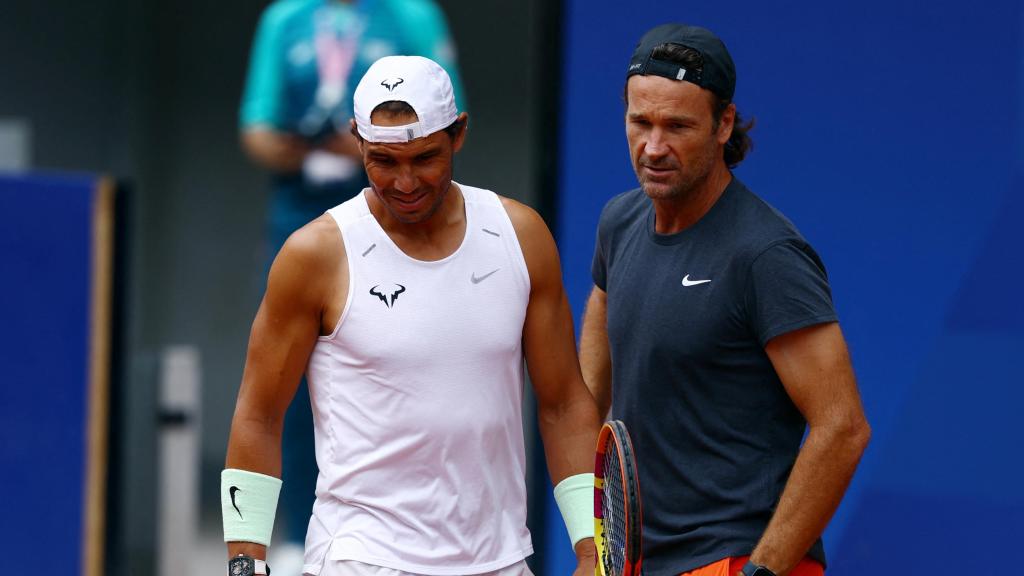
{"points": [[431, 210], [680, 189], [687, 184]]}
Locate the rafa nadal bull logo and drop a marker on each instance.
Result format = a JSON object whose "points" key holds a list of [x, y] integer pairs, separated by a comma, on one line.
{"points": [[387, 293]]}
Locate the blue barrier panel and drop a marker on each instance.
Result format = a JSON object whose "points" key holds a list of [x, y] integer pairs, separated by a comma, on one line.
{"points": [[54, 291], [892, 133]]}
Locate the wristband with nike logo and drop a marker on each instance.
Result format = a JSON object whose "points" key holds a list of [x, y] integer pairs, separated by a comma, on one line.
{"points": [[248, 502]]}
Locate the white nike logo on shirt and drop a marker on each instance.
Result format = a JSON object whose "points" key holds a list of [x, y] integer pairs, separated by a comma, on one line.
{"points": [[688, 282]]}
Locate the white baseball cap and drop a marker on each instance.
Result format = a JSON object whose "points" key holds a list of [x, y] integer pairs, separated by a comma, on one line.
{"points": [[419, 82]]}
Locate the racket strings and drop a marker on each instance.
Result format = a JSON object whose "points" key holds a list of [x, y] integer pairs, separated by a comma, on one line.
{"points": [[631, 488], [614, 505]]}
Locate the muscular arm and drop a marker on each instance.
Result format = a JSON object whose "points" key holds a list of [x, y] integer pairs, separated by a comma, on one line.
{"points": [[566, 413], [814, 366], [282, 337], [595, 358]]}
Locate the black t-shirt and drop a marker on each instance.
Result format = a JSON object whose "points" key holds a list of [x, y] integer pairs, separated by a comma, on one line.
{"points": [[689, 314]]}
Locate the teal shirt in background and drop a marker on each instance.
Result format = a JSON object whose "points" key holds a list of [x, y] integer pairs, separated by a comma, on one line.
{"points": [[283, 79]]}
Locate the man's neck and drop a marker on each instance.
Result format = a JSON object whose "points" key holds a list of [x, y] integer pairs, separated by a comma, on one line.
{"points": [[678, 214], [435, 238]]}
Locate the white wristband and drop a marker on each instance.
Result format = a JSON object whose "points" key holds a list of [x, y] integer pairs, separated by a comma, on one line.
{"points": [[248, 503], [575, 498]]}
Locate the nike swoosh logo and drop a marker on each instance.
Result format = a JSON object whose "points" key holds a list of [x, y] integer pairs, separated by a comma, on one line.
{"points": [[232, 490], [688, 282], [478, 279]]}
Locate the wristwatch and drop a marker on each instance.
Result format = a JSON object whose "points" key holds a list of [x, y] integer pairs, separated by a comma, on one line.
{"points": [[243, 565], [751, 569]]}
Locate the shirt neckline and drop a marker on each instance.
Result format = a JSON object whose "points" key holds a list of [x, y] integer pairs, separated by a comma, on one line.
{"points": [[387, 238], [678, 237]]}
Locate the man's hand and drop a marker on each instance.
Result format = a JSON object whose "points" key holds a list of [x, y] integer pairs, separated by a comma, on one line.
{"points": [[342, 144], [274, 150], [586, 558]]}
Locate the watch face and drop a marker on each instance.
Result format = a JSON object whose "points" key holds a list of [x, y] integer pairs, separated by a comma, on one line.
{"points": [[763, 572], [241, 567]]}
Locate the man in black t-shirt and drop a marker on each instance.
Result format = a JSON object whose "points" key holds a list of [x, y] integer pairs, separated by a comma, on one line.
{"points": [[711, 333]]}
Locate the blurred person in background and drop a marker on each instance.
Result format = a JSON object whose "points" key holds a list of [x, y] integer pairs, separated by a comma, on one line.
{"points": [[306, 58], [411, 308]]}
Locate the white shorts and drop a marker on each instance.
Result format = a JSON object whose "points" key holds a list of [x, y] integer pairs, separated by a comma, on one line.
{"points": [[353, 568]]}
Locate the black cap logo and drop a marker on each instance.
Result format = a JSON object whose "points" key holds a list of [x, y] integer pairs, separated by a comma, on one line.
{"points": [[391, 83]]}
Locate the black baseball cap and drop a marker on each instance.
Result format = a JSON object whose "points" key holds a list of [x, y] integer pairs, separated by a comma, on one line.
{"points": [[718, 74]]}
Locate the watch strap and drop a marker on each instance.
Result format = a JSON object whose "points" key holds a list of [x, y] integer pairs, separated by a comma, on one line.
{"points": [[751, 569], [259, 567]]}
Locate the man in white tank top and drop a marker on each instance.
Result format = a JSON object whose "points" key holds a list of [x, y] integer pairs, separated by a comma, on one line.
{"points": [[411, 308]]}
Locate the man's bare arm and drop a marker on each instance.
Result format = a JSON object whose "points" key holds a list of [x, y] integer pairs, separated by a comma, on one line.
{"points": [[814, 366], [282, 337], [566, 414], [595, 357]]}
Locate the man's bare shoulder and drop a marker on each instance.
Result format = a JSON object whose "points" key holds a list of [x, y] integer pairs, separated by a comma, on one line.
{"points": [[524, 219], [305, 270], [318, 242], [535, 240]]}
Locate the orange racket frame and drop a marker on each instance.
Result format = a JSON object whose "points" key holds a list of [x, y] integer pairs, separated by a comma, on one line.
{"points": [[614, 431]]}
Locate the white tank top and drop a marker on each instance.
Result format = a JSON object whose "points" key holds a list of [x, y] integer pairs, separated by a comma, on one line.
{"points": [[417, 402]]}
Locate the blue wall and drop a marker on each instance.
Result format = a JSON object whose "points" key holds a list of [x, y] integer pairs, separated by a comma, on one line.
{"points": [[45, 302], [892, 133]]}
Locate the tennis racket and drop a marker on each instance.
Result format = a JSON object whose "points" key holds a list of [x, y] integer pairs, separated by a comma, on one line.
{"points": [[617, 510]]}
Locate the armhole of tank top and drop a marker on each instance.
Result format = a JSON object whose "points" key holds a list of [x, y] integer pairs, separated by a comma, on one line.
{"points": [[351, 283], [515, 246]]}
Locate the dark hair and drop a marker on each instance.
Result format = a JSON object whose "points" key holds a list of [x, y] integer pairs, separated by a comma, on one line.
{"points": [[739, 142], [397, 108]]}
